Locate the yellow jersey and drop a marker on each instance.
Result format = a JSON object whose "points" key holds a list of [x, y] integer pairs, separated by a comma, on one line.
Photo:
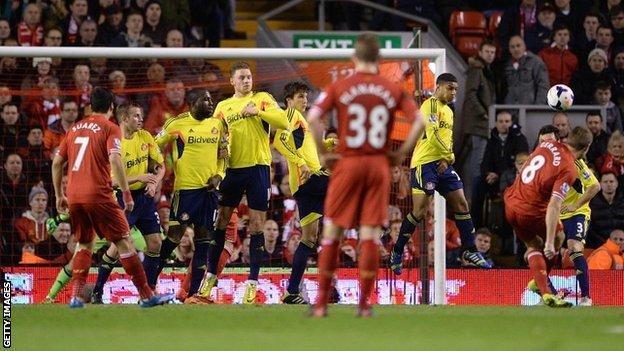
{"points": [[298, 147], [586, 178], [249, 136], [195, 149], [136, 153], [437, 141]]}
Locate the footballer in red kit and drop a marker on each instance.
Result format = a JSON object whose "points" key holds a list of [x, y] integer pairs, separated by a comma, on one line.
{"points": [[359, 186], [533, 203], [92, 148]]}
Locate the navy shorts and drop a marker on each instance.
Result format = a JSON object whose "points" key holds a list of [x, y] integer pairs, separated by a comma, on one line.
{"points": [[310, 198], [197, 207], [253, 181], [144, 215], [575, 227], [425, 179]]}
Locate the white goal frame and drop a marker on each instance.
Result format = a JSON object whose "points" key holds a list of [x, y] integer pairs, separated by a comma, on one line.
{"points": [[438, 56]]}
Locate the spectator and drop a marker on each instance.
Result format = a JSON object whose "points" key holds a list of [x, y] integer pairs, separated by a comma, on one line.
{"points": [[88, 34], [45, 108], [5, 30], [616, 15], [606, 6], [480, 94], [617, 73], [30, 227], [37, 160], [559, 60], [30, 30], [483, 243], [98, 71], [584, 80], [132, 37], [80, 90], [55, 13], [612, 161], [609, 254], [212, 79], [14, 191], [12, 134], [97, 9], [567, 13], [348, 250], [54, 38], [604, 41], [167, 105], [539, 37], [79, 12], [6, 96], [586, 38], [56, 133], [598, 147], [607, 211], [110, 29], [506, 140], [177, 13], [155, 27], [602, 97], [174, 39], [509, 176], [525, 74], [9, 65], [292, 242], [516, 21], [400, 185], [272, 254], [42, 71], [117, 81], [562, 122]]}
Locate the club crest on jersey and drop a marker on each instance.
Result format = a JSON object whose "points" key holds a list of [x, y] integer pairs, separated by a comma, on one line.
{"points": [[143, 147], [565, 187], [215, 130], [433, 118], [117, 143], [586, 175]]}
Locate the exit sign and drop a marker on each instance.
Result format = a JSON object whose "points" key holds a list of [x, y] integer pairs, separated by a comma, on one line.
{"points": [[340, 41]]}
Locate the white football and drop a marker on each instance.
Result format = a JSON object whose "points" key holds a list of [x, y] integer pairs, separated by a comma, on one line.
{"points": [[560, 97]]}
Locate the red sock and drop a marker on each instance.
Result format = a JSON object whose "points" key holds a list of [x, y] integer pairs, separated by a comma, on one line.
{"points": [[80, 271], [327, 262], [368, 265], [132, 266], [186, 283], [537, 264], [225, 256]]}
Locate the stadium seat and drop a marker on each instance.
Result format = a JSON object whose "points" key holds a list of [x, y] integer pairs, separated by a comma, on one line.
{"points": [[494, 22], [468, 45], [467, 23]]}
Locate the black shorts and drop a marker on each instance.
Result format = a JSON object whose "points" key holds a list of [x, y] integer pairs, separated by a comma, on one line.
{"points": [[195, 206], [253, 181], [144, 215], [311, 197]]}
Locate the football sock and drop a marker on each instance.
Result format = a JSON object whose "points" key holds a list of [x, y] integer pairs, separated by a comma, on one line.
{"points": [[466, 229], [62, 278], [300, 260], [166, 248], [582, 273], [151, 261], [223, 260], [407, 229], [80, 271], [368, 264], [198, 265], [216, 247], [132, 266], [537, 265], [104, 271], [256, 248], [327, 261]]}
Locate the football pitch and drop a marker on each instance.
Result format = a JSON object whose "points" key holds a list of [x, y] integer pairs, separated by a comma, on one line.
{"points": [[236, 327]]}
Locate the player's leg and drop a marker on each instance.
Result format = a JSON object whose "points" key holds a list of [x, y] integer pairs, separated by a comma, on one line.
{"points": [[81, 262], [151, 258], [307, 246], [327, 261], [174, 233], [62, 279], [218, 238], [539, 269], [575, 229], [147, 222], [105, 267], [368, 264]]}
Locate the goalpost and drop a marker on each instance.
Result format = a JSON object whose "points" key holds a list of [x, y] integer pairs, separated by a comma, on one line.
{"points": [[437, 56]]}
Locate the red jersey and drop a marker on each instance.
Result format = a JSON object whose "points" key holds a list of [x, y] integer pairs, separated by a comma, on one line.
{"points": [[549, 171], [86, 148], [366, 104]]}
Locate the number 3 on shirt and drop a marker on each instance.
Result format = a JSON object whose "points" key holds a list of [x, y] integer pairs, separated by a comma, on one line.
{"points": [[378, 131], [529, 171], [83, 141]]}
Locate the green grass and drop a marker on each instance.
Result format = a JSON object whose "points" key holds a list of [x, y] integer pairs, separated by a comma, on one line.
{"points": [[235, 327]]}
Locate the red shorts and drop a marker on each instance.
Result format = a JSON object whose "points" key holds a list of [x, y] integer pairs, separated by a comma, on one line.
{"points": [[106, 219], [527, 227], [359, 192]]}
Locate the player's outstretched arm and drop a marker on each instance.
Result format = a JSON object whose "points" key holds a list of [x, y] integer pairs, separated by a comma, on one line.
{"points": [[57, 176], [120, 175], [588, 194], [552, 219]]}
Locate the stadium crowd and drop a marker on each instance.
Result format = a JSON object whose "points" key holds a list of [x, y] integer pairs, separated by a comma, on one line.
{"points": [[537, 44]]}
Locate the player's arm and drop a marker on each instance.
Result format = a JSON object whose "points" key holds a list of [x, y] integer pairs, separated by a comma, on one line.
{"points": [[271, 113], [323, 104], [552, 219], [119, 174], [165, 136], [57, 176], [409, 109], [215, 180]]}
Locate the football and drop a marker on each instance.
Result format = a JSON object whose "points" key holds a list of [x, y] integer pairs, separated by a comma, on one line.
{"points": [[560, 97]]}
